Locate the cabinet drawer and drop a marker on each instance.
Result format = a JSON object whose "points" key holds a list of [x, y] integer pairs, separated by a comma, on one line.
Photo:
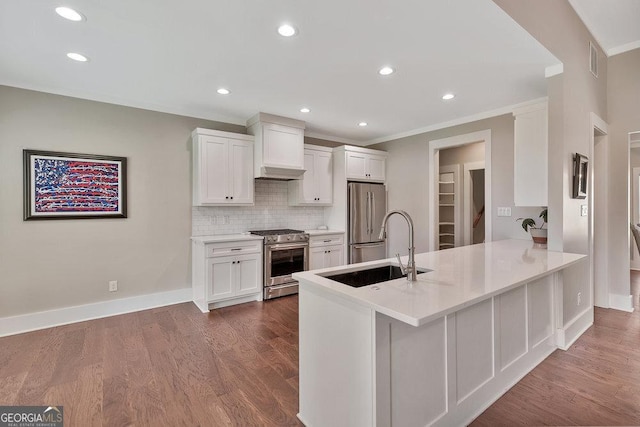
{"points": [[329, 239], [232, 248]]}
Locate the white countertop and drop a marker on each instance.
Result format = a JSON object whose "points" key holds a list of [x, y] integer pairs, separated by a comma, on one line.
{"points": [[461, 277], [218, 238], [322, 232]]}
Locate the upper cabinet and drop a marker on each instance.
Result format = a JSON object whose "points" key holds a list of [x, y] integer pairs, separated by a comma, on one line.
{"points": [[222, 168], [279, 146], [363, 164], [530, 155], [316, 186]]}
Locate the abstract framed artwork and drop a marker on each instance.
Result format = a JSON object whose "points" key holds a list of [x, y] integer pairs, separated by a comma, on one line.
{"points": [[72, 186]]}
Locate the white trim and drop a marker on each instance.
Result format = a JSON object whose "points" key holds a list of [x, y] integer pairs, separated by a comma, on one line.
{"points": [[566, 336], [553, 70], [596, 124], [332, 138], [467, 199], [621, 302], [455, 141], [455, 122], [623, 48], [80, 313]]}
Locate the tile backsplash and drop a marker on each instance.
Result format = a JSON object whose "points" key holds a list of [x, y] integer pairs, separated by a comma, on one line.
{"points": [[270, 211]]}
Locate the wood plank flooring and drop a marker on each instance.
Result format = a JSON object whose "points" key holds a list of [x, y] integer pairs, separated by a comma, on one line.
{"points": [[175, 366], [171, 366]]}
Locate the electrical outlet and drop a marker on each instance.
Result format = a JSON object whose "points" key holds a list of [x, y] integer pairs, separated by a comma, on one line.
{"points": [[583, 210], [113, 286], [504, 211], [579, 298]]}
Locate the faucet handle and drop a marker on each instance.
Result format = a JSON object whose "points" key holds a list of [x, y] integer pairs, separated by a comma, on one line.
{"points": [[402, 267]]}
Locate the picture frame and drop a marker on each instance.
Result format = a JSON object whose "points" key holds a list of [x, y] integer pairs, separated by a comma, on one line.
{"points": [[580, 176], [59, 185]]}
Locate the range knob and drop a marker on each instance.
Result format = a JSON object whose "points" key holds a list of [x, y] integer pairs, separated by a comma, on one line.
{"points": [[288, 237]]}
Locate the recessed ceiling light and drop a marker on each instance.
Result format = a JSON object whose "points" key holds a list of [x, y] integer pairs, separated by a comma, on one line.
{"points": [[385, 71], [286, 30], [304, 110], [362, 124], [68, 13], [448, 96], [223, 91], [77, 57]]}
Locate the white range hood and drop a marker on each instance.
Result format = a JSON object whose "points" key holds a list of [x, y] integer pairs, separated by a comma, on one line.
{"points": [[278, 146]]}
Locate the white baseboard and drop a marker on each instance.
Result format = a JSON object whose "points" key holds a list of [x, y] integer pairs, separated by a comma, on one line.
{"points": [[621, 302], [63, 316], [567, 335]]}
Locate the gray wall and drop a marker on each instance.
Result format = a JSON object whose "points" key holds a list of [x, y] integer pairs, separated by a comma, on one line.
{"points": [[59, 263], [407, 178], [623, 97]]}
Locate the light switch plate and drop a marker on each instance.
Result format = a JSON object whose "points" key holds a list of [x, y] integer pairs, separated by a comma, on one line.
{"points": [[584, 210], [504, 211]]}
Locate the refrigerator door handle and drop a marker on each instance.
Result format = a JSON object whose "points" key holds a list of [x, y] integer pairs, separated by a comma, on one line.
{"points": [[368, 213], [373, 212]]}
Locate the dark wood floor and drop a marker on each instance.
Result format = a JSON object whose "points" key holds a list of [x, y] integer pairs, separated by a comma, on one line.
{"points": [[171, 366], [174, 366]]}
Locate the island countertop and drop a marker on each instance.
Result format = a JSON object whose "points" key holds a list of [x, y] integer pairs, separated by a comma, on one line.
{"points": [[460, 277]]}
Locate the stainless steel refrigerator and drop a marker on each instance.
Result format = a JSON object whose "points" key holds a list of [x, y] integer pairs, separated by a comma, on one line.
{"points": [[367, 207]]}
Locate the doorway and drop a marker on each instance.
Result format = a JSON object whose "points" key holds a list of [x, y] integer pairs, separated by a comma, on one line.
{"points": [[456, 173]]}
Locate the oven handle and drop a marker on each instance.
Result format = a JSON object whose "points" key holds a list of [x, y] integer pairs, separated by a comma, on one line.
{"points": [[288, 246]]}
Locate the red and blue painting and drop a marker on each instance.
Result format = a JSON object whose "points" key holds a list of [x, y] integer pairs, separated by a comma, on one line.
{"points": [[70, 185]]}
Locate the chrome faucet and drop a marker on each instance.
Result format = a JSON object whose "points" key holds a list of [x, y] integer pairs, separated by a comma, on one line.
{"points": [[410, 269]]}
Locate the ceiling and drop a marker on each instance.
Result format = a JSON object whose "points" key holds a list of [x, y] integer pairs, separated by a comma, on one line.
{"points": [[172, 56], [613, 23]]}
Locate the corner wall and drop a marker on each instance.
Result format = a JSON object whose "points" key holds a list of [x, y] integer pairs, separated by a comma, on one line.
{"points": [[573, 96]]}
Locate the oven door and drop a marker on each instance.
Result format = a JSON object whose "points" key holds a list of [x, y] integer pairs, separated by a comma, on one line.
{"points": [[284, 259]]}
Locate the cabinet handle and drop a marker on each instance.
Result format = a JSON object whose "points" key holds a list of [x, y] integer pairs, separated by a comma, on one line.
{"points": [[231, 197], [227, 197], [236, 249]]}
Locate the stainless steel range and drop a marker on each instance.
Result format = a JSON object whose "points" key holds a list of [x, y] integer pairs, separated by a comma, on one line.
{"points": [[285, 252]]}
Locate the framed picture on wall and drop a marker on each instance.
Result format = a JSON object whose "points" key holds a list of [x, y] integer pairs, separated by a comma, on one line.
{"points": [[580, 176], [72, 186]]}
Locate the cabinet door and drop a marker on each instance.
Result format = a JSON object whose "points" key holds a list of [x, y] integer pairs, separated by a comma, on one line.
{"points": [[356, 165], [376, 167], [308, 179], [335, 256], [530, 158], [214, 170], [220, 278], [324, 177], [283, 146], [317, 257], [241, 161], [248, 274]]}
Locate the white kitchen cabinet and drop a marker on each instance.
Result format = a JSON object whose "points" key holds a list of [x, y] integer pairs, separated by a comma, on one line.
{"points": [[326, 251], [316, 186], [226, 272], [366, 167], [279, 146], [222, 168], [233, 276], [530, 170]]}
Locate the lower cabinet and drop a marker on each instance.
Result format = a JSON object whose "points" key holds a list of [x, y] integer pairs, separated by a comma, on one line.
{"points": [[233, 276], [226, 273], [326, 251]]}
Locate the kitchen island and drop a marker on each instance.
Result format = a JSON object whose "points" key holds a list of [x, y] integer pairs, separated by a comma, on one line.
{"points": [[434, 352]]}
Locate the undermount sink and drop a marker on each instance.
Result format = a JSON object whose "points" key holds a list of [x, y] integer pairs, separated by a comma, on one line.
{"points": [[369, 276]]}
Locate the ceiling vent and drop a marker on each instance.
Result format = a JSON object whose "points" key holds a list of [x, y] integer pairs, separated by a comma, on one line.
{"points": [[593, 59]]}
